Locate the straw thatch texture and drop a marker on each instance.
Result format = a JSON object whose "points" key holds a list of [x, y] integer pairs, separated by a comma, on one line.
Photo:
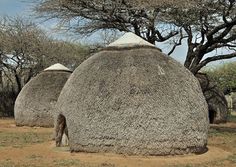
{"points": [[35, 104], [217, 103], [134, 101]]}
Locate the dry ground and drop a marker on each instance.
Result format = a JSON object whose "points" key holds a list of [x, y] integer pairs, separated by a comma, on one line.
{"points": [[24, 146]]}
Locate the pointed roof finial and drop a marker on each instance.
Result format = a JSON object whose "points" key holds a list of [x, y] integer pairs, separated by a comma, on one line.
{"points": [[57, 67], [129, 39]]}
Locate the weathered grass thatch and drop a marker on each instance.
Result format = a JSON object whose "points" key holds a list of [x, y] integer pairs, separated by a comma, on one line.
{"points": [[217, 103], [130, 98], [35, 103]]}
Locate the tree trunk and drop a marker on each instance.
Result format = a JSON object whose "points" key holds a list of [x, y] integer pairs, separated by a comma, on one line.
{"points": [[18, 82]]}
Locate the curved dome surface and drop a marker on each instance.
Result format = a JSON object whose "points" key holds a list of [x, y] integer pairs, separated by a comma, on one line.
{"points": [[35, 103], [217, 103], [134, 100]]}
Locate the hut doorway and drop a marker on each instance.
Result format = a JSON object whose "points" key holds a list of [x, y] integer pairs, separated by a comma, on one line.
{"points": [[212, 115], [61, 130]]}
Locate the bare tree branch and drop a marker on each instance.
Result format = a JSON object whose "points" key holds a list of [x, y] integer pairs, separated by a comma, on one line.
{"points": [[219, 57], [208, 25], [177, 43]]}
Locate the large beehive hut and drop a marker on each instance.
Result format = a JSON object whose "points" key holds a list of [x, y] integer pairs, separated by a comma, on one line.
{"points": [[217, 103], [130, 98], [35, 103]]}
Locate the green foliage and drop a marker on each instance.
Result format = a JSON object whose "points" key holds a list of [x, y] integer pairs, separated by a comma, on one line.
{"points": [[224, 75]]}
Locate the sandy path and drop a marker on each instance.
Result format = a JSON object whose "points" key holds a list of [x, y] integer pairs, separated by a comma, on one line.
{"points": [[48, 154]]}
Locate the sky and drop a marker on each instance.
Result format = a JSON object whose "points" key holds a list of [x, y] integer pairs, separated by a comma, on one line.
{"points": [[14, 7], [23, 8]]}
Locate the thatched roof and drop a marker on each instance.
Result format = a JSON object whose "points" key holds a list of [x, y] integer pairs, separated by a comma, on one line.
{"points": [[128, 40], [57, 67], [217, 103], [134, 100], [35, 103]]}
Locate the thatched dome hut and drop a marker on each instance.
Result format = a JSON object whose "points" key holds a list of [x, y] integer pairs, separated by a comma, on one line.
{"points": [[130, 98], [217, 103], [36, 101]]}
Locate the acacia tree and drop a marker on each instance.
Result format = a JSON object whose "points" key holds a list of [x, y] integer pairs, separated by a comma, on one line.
{"points": [[207, 25], [25, 50], [86, 17]]}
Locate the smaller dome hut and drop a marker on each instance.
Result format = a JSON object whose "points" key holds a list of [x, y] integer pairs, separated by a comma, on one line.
{"points": [[35, 103], [217, 103]]}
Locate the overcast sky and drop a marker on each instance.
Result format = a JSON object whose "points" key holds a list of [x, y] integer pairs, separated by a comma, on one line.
{"points": [[23, 8]]}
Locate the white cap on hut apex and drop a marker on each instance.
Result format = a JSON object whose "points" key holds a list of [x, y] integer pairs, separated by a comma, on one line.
{"points": [[129, 39], [57, 67]]}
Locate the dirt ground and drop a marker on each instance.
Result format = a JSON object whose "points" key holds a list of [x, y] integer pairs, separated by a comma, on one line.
{"points": [[25, 146]]}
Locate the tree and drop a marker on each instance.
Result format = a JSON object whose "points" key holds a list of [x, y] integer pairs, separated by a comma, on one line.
{"points": [[86, 17], [207, 25], [20, 50], [224, 76], [25, 50], [67, 53]]}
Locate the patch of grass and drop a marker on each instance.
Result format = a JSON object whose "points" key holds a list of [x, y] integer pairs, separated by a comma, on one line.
{"points": [[232, 158], [19, 140], [186, 165], [232, 118], [107, 165], [215, 164], [12, 164], [67, 162], [216, 133], [222, 139], [57, 163], [34, 157], [77, 163], [7, 163], [208, 164]]}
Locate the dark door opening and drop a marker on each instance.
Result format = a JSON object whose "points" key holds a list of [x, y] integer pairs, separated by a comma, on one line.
{"points": [[61, 128], [212, 115]]}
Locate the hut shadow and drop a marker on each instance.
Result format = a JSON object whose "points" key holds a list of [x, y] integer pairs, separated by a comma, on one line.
{"points": [[202, 151]]}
